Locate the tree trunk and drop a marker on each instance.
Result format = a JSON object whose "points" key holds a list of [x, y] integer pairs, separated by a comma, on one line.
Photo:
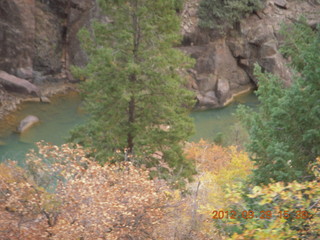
{"points": [[131, 121], [133, 77]]}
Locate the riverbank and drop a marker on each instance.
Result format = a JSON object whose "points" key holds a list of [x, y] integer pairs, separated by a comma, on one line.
{"points": [[11, 101], [238, 94]]}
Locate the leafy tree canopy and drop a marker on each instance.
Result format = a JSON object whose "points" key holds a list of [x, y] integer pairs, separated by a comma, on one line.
{"points": [[86, 201]]}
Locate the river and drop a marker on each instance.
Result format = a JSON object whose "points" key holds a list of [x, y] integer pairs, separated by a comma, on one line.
{"points": [[209, 123], [64, 112]]}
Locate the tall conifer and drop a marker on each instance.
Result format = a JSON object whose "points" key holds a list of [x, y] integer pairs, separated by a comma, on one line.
{"points": [[134, 92]]}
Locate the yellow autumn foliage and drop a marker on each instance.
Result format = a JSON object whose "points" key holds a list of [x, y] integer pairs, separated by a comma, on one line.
{"points": [[223, 173], [222, 170], [219, 183], [208, 156]]}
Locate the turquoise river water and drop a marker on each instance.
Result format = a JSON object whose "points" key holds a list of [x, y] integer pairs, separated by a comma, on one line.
{"points": [[64, 112]]}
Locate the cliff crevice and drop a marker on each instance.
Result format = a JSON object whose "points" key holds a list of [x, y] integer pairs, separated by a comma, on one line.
{"points": [[225, 61]]}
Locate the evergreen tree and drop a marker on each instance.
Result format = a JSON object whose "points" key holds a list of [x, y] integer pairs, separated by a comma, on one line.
{"points": [[285, 132], [134, 91], [298, 38], [224, 13]]}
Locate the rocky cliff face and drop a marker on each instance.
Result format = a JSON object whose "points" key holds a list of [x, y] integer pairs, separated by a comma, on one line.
{"points": [[38, 37], [224, 63], [38, 43]]}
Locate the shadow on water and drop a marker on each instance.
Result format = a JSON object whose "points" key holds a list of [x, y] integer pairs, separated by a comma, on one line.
{"points": [[63, 113]]}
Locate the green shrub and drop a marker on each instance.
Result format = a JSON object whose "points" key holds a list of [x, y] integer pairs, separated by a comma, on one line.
{"points": [[224, 13], [284, 133], [297, 37], [178, 5]]}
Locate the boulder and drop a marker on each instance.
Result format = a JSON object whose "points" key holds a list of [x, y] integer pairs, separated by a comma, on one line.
{"points": [[208, 100], [27, 122], [16, 84], [281, 3], [223, 90], [45, 100]]}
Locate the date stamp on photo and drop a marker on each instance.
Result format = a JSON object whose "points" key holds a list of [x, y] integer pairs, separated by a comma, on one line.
{"points": [[298, 214]]}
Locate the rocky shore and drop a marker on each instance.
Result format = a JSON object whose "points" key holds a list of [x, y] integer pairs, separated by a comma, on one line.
{"points": [[38, 44], [10, 101]]}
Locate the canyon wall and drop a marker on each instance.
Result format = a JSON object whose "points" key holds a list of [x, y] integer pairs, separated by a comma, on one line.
{"points": [[225, 61], [38, 37], [38, 43]]}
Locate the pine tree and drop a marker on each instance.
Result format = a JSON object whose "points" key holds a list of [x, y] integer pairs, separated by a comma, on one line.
{"points": [[134, 91], [285, 132]]}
